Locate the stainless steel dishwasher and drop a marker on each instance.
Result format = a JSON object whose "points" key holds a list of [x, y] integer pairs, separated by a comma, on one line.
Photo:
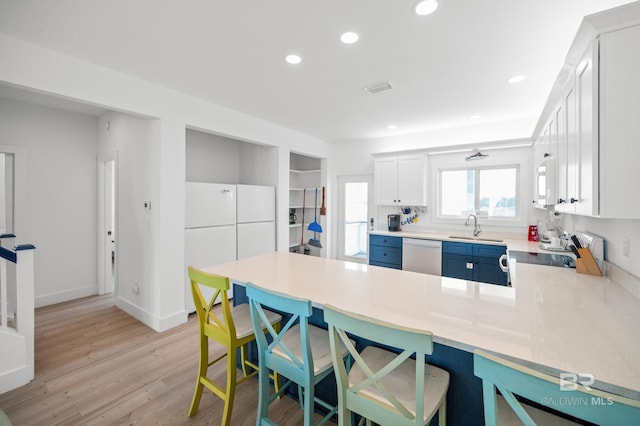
{"points": [[420, 255]]}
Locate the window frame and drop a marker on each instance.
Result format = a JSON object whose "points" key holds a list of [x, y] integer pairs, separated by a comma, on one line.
{"points": [[445, 162]]}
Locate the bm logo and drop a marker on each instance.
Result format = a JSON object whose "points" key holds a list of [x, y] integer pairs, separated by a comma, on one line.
{"points": [[571, 381]]}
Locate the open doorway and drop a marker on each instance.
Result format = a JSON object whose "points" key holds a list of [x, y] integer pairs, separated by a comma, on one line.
{"points": [[355, 205], [107, 256]]}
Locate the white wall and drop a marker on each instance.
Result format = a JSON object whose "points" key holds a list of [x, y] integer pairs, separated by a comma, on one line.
{"points": [[60, 210], [30, 66], [613, 231], [218, 159], [212, 158], [130, 139]]}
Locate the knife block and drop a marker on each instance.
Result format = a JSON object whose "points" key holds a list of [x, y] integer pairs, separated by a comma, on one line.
{"points": [[586, 264]]}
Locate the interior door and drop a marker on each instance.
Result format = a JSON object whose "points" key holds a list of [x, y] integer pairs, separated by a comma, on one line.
{"points": [[355, 210]]}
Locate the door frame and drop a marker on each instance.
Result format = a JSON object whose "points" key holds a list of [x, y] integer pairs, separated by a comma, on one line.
{"points": [[342, 180], [104, 260]]}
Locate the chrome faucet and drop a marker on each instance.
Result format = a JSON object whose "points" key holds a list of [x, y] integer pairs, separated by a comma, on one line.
{"points": [[476, 227]]}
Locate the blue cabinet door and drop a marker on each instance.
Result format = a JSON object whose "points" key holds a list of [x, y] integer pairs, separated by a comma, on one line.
{"points": [[483, 259], [385, 251], [455, 266], [487, 270]]}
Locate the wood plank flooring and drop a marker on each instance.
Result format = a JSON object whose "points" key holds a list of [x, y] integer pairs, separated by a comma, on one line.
{"points": [[96, 365]]}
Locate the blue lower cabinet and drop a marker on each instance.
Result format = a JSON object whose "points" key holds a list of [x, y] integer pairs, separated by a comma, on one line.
{"points": [[476, 262], [385, 251], [455, 266]]}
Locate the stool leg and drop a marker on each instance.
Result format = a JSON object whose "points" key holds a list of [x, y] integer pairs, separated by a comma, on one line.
{"points": [[202, 372], [263, 393], [231, 386], [243, 359], [277, 378], [442, 412], [308, 405]]}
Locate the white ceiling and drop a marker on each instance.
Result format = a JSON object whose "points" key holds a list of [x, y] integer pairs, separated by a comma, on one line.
{"points": [[444, 67]]}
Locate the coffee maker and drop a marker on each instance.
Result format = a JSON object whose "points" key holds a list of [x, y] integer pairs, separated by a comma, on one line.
{"points": [[393, 221]]}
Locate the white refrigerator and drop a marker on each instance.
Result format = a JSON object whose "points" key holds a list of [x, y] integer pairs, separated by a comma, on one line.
{"points": [[256, 220], [210, 228]]}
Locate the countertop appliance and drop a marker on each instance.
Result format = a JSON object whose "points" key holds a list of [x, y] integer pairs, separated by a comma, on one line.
{"points": [[420, 255], [393, 222]]}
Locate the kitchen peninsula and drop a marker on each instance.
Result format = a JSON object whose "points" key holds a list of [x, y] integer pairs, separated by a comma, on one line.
{"points": [[551, 318]]}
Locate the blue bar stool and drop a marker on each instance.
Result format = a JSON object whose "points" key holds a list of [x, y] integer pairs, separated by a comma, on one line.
{"points": [[382, 386], [299, 351], [512, 379]]}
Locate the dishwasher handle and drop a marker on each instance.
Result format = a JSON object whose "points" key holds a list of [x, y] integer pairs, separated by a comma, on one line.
{"points": [[416, 242]]}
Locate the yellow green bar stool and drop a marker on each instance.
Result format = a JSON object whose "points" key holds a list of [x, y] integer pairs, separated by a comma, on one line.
{"points": [[232, 328]]}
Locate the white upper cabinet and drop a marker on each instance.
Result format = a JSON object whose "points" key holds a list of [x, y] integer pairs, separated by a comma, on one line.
{"points": [[401, 180], [587, 152], [620, 123], [594, 128]]}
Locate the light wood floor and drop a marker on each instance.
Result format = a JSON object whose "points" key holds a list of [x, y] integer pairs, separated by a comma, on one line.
{"points": [[96, 365]]}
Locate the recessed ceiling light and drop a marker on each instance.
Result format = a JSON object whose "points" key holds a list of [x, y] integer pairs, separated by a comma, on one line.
{"points": [[516, 79], [426, 7], [474, 117], [392, 127], [293, 59], [349, 37]]}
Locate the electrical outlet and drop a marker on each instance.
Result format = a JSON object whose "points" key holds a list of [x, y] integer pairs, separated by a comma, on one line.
{"points": [[135, 289], [626, 246]]}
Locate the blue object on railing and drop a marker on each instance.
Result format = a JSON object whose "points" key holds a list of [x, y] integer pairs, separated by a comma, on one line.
{"points": [[11, 255], [8, 254]]}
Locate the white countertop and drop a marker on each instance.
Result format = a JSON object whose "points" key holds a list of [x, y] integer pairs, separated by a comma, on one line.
{"points": [[553, 317]]}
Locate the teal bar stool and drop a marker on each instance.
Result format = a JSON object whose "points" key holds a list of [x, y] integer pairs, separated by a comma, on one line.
{"points": [[299, 351], [382, 386], [602, 408]]}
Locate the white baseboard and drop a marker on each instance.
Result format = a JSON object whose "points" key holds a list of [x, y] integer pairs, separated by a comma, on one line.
{"points": [[10, 380], [64, 296], [150, 320]]}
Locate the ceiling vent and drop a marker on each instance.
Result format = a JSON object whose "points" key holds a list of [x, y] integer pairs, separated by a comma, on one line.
{"points": [[378, 88]]}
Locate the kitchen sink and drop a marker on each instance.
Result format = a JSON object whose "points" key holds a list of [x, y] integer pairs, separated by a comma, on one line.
{"points": [[493, 240]]}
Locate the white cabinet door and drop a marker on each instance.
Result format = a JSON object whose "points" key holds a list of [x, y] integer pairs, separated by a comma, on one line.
{"points": [[401, 180], [620, 123], [256, 203], [386, 180], [412, 180], [209, 204], [561, 156], [573, 153], [587, 137]]}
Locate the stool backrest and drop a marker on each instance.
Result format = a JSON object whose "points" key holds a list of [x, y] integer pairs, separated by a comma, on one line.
{"points": [[410, 341], [300, 371], [569, 397], [220, 328]]}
